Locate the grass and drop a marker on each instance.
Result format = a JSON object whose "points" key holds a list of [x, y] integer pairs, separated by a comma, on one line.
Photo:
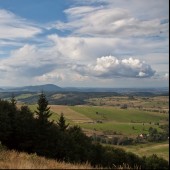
{"points": [[120, 120], [160, 149], [16, 160], [20, 160], [69, 114], [159, 103], [119, 115], [33, 107], [24, 96], [123, 128], [113, 119]]}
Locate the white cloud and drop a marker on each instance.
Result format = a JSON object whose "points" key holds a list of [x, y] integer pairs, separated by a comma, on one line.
{"points": [[111, 28], [111, 67], [89, 48], [143, 9], [27, 61], [12, 26], [53, 76], [166, 76], [109, 21]]}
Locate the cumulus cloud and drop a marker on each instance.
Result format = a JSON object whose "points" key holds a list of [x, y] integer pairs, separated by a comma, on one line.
{"points": [[111, 67], [28, 61], [12, 26]]}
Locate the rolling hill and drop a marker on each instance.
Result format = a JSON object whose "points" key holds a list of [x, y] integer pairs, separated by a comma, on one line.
{"points": [[38, 88]]}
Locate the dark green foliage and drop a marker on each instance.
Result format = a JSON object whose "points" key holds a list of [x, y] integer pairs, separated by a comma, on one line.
{"points": [[155, 136], [5, 122], [154, 162], [79, 146], [62, 123], [43, 111], [25, 128]]}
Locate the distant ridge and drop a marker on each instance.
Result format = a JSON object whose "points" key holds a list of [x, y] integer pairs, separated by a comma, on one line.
{"points": [[38, 88], [55, 88]]}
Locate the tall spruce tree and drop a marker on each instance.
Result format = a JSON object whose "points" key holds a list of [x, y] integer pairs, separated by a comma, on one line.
{"points": [[62, 123], [43, 111]]}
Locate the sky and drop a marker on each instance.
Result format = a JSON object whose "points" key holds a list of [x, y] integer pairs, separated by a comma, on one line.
{"points": [[89, 43]]}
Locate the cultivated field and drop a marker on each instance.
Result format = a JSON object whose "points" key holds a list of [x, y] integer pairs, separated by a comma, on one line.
{"points": [[156, 104], [108, 120]]}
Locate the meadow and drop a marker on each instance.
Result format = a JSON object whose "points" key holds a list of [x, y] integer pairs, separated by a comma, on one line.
{"points": [[104, 119], [161, 149]]}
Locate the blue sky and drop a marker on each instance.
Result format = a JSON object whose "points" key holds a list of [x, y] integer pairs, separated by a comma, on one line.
{"points": [[90, 43]]}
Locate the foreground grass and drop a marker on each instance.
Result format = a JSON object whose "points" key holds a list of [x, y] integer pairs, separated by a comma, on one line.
{"points": [[16, 160], [21, 160]]}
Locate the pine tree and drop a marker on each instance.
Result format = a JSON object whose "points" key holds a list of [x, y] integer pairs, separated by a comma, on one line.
{"points": [[13, 100], [62, 123], [43, 111], [13, 108]]}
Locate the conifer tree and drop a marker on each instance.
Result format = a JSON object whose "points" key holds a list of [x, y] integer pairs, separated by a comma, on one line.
{"points": [[13, 109], [43, 111], [62, 123], [13, 100]]}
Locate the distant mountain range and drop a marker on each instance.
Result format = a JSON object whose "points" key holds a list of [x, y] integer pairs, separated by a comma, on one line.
{"points": [[38, 88], [55, 88]]}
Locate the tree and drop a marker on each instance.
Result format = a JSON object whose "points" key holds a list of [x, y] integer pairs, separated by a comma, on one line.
{"points": [[13, 109], [13, 100], [43, 111], [61, 123], [8, 112], [5, 123], [25, 128], [42, 143]]}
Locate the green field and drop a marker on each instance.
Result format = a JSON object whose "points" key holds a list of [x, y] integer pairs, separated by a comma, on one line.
{"points": [[124, 121], [160, 149], [24, 96], [120, 128], [119, 115], [127, 122]]}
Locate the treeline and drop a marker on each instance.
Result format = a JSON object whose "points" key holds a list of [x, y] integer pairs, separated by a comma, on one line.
{"points": [[23, 130]]}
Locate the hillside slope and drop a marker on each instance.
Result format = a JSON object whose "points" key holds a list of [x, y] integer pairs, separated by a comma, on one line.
{"points": [[16, 160]]}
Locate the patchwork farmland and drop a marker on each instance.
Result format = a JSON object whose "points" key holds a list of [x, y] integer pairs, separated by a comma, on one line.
{"points": [[111, 121]]}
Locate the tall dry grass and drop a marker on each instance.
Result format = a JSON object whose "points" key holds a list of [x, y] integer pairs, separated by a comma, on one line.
{"points": [[16, 160], [20, 160]]}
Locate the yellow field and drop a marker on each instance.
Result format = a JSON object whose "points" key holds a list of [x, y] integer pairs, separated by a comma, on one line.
{"points": [[70, 114]]}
